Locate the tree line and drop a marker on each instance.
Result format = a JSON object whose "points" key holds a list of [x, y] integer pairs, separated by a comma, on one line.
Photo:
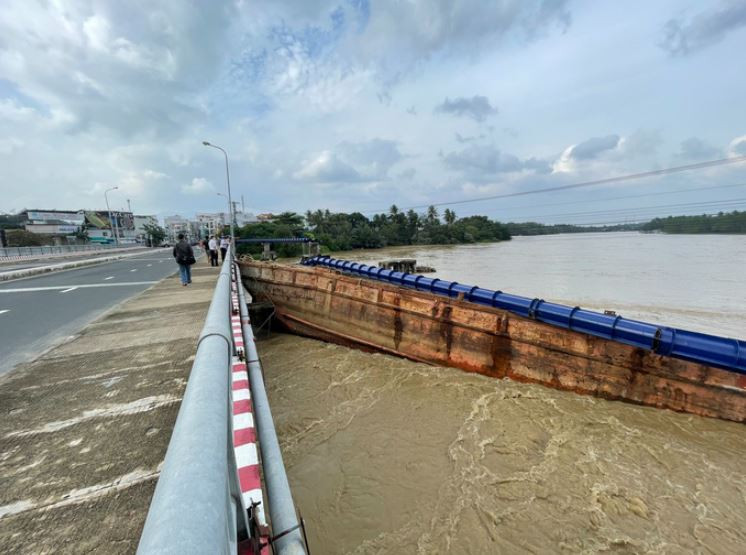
{"points": [[723, 222], [342, 231]]}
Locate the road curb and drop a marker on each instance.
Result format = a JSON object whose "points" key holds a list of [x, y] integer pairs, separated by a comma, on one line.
{"points": [[29, 272]]}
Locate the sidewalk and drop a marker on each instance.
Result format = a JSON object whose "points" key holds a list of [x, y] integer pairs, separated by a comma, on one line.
{"points": [[85, 428]]}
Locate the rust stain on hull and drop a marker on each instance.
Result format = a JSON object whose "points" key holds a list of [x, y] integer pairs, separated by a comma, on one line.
{"points": [[424, 327]]}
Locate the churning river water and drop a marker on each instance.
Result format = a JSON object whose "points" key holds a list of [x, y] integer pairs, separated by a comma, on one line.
{"points": [[386, 455]]}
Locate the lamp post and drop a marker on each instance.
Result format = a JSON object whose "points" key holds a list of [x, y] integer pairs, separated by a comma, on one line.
{"points": [[111, 222], [228, 179], [230, 214]]}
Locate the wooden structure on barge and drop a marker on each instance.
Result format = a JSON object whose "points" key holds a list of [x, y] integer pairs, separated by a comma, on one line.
{"points": [[358, 312]]}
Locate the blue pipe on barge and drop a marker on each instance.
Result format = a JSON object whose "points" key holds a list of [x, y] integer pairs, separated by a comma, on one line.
{"points": [[712, 350]]}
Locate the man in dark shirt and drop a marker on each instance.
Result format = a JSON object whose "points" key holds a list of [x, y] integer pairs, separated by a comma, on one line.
{"points": [[184, 256]]}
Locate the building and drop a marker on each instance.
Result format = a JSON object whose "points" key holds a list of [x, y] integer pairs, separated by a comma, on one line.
{"points": [[120, 229], [211, 223], [177, 224], [141, 236], [53, 222], [243, 218], [267, 217]]}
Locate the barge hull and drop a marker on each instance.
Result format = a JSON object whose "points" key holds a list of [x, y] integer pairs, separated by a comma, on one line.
{"points": [[424, 327]]}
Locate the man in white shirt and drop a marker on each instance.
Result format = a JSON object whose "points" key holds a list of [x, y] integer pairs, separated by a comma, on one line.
{"points": [[213, 246], [225, 243]]}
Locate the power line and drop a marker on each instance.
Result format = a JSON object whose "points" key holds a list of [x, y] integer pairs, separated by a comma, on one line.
{"points": [[640, 220], [642, 195], [616, 179], [706, 204]]}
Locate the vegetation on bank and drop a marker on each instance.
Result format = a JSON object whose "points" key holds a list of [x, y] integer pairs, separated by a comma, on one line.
{"points": [[340, 231], [724, 222], [535, 228]]}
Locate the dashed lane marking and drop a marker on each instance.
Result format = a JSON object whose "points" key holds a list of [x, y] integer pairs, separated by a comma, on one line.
{"points": [[4, 311], [68, 290], [149, 265], [110, 277], [133, 270], [81, 286]]}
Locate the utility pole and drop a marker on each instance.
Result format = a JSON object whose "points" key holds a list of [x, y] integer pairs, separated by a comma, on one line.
{"points": [[129, 206]]}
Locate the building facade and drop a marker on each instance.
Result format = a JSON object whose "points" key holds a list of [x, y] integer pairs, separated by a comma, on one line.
{"points": [[140, 223], [119, 229], [175, 225], [53, 222]]}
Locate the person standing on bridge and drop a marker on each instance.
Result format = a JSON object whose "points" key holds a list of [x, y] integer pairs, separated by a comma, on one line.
{"points": [[213, 246], [225, 244], [184, 255]]}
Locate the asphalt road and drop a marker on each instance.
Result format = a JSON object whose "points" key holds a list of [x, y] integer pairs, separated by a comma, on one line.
{"points": [[39, 312]]}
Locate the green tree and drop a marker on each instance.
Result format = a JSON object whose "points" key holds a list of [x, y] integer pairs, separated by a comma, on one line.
{"points": [[156, 234], [449, 216]]}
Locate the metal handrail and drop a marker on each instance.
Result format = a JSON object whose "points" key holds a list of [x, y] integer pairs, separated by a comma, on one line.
{"points": [[195, 507], [6, 252], [285, 527]]}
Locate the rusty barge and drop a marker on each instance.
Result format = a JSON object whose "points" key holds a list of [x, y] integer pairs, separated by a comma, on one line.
{"points": [[478, 330]]}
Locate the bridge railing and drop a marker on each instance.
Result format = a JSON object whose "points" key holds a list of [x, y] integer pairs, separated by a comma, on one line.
{"points": [[288, 534], [7, 252], [196, 507]]}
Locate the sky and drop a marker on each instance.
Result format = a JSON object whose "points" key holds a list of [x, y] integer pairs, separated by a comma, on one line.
{"points": [[355, 105]]}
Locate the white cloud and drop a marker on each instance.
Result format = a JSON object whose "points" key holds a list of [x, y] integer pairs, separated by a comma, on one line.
{"points": [[198, 186], [737, 146], [307, 95], [327, 167]]}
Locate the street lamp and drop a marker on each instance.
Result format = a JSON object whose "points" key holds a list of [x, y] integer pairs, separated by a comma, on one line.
{"points": [[228, 179], [111, 221], [230, 214]]}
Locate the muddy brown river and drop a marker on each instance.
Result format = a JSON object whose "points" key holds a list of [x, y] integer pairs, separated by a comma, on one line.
{"points": [[386, 455]]}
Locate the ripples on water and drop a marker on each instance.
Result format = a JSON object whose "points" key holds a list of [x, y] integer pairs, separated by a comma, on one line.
{"points": [[389, 456]]}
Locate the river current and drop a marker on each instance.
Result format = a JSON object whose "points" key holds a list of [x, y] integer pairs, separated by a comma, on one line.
{"points": [[385, 455]]}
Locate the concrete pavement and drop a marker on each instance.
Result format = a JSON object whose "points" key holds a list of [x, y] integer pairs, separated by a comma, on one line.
{"points": [[86, 426], [38, 312]]}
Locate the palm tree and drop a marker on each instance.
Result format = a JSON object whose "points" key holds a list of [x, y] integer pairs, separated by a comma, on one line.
{"points": [[450, 216]]}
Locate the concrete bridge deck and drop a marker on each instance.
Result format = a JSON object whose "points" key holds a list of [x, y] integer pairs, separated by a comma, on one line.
{"points": [[85, 427]]}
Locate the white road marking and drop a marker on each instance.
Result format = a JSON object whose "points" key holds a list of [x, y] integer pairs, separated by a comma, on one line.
{"points": [[133, 270], [68, 290], [149, 265], [82, 286], [110, 277], [4, 311]]}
